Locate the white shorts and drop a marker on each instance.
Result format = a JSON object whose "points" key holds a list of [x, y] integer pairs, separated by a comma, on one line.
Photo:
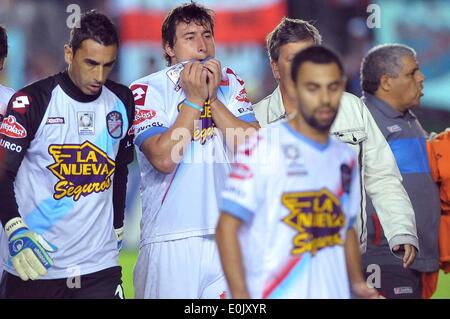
{"points": [[187, 268]]}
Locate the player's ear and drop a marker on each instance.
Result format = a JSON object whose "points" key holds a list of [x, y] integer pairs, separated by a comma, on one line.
{"points": [[275, 70], [68, 54], [385, 83], [169, 50]]}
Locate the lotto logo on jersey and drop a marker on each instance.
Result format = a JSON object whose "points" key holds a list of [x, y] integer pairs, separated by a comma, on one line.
{"points": [[139, 93], [81, 169], [11, 128], [317, 217], [21, 102]]}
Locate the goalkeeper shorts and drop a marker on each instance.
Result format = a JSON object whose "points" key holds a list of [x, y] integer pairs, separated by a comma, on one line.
{"points": [[104, 284]]}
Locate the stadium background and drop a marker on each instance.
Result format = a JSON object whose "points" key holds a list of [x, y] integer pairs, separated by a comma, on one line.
{"points": [[37, 31]]}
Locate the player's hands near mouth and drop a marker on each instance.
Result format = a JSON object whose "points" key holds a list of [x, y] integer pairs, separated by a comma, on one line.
{"points": [[193, 82], [214, 77]]}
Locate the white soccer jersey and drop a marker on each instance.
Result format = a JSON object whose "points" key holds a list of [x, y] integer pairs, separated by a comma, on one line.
{"points": [[297, 199], [184, 203], [5, 95]]}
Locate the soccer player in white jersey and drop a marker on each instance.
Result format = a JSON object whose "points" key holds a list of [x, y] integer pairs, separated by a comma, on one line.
{"points": [[286, 227], [5, 95], [185, 114], [66, 148]]}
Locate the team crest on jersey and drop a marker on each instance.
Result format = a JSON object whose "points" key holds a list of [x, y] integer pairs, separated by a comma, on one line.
{"points": [[114, 123], [11, 128], [81, 169], [317, 217], [204, 128]]}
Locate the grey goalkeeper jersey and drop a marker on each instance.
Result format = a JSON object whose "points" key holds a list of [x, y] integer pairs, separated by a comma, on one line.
{"points": [[63, 153]]}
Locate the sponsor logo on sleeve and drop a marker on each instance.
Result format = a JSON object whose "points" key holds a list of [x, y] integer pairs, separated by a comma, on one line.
{"points": [[157, 124], [139, 93], [21, 102], [131, 131], [242, 96], [114, 123], [11, 128], [143, 115], [10, 146], [241, 171], [81, 170]]}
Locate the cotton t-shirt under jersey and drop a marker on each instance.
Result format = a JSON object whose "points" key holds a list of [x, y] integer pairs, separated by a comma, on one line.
{"points": [[297, 199], [65, 147], [184, 203]]}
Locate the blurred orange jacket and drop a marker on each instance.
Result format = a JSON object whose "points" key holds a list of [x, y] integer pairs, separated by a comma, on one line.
{"points": [[439, 157]]}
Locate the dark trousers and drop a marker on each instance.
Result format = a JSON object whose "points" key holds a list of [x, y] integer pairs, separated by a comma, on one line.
{"points": [[104, 284], [399, 283]]}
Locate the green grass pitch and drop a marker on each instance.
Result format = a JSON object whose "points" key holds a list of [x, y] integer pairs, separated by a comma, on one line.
{"points": [[128, 259]]}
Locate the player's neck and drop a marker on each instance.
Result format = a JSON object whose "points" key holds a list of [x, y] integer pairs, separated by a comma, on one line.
{"points": [[299, 124], [288, 102]]}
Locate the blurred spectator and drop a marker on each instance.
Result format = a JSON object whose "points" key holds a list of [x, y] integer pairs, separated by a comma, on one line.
{"points": [[393, 83]]}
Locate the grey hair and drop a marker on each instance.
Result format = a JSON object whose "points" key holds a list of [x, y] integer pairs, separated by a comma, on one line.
{"points": [[288, 31], [384, 59]]}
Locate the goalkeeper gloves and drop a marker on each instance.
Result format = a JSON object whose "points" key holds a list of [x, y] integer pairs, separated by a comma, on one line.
{"points": [[119, 237], [28, 250]]}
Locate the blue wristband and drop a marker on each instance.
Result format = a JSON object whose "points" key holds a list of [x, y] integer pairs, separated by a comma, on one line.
{"points": [[193, 105]]}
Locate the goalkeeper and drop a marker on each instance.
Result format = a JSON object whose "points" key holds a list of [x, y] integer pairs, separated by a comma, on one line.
{"points": [[63, 182]]}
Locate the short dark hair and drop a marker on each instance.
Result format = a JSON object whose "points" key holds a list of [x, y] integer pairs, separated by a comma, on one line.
{"points": [[288, 31], [3, 43], [316, 54], [186, 13], [94, 26]]}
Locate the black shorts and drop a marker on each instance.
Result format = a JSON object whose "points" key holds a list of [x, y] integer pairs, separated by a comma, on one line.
{"points": [[399, 283], [104, 284]]}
